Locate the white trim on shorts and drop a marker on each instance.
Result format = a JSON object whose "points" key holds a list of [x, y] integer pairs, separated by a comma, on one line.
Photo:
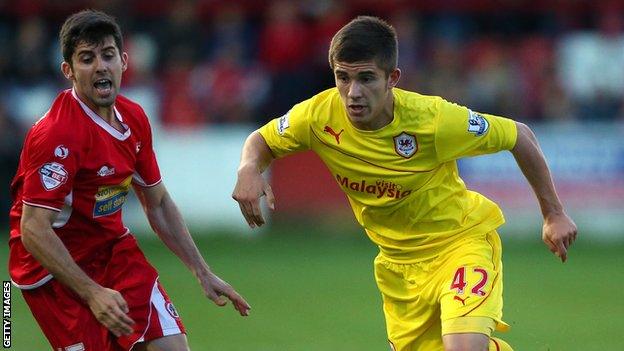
{"points": [[168, 324]]}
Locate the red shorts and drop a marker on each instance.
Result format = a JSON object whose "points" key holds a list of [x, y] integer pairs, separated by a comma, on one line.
{"points": [[69, 324]]}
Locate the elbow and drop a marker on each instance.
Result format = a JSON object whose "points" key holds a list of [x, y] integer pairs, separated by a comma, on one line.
{"points": [[27, 234], [32, 232]]}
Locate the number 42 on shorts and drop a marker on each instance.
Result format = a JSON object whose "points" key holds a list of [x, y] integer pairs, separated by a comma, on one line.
{"points": [[459, 282]]}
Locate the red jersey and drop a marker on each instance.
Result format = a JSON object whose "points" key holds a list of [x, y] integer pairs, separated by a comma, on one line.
{"points": [[75, 163]]}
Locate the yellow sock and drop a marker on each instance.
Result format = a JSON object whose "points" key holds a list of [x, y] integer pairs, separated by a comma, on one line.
{"points": [[497, 344]]}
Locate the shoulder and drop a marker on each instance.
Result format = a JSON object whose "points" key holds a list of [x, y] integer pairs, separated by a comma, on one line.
{"points": [[314, 107], [326, 96], [412, 102], [321, 106], [62, 122], [131, 107], [131, 112]]}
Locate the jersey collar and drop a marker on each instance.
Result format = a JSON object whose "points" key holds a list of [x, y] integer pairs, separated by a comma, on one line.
{"points": [[100, 122]]}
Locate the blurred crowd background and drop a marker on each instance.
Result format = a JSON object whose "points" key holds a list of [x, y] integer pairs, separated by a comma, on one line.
{"points": [[212, 62]]}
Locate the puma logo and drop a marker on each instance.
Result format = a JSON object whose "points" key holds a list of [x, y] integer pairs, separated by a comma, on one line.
{"points": [[463, 301], [329, 130]]}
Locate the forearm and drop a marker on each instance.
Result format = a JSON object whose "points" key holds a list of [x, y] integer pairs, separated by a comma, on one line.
{"points": [[166, 220], [256, 154], [533, 165], [45, 246]]}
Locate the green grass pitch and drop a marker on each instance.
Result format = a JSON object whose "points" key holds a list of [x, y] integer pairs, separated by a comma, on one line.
{"points": [[311, 291]]}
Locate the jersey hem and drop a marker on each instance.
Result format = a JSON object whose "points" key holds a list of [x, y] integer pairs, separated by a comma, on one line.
{"points": [[143, 185], [415, 257], [41, 206]]}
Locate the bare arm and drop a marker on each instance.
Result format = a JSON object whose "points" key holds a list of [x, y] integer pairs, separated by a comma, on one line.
{"points": [[559, 231], [250, 185], [167, 222], [41, 241]]}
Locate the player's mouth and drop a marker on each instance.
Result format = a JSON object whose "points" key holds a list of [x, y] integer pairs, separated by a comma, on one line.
{"points": [[356, 110], [103, 87]]}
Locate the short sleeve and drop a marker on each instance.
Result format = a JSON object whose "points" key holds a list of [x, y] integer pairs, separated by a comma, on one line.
{"points": [[51, 163], [460, 132], [290, 133], [147, 172]]}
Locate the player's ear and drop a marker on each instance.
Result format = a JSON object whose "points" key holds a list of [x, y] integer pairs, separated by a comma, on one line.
{"points": [[393, 78], [124, 61], [67, 70]]}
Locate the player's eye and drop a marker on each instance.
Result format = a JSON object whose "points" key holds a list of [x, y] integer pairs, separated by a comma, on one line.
{"points": [[367, 79]]}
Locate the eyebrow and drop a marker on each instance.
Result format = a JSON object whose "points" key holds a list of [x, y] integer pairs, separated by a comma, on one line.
{"points": [[84, 52], [90, 50], [366, 73], [342, 71]]}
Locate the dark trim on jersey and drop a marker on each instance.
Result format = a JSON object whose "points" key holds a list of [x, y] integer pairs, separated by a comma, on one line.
{"points": [[496, 344], [363, 160]]}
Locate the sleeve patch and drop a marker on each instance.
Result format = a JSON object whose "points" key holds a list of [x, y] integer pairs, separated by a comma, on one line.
{"points": [[477, 124], [282, 123], [52, 175], [61, 152]]}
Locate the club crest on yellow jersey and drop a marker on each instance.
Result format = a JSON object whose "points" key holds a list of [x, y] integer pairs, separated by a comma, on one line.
{"points": [[405, 144]]}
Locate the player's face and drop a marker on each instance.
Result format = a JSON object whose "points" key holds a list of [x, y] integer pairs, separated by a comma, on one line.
{"points": [[96, 73], [366, 93]]}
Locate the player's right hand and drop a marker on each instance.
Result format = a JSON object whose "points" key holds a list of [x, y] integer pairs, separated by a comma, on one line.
{"points": [[250, 187], [110, 309], [558, 233], [215, 288]]}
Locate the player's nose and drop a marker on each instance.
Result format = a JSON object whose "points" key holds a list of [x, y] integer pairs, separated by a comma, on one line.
{"points": [[355, 90], [100, 64]]}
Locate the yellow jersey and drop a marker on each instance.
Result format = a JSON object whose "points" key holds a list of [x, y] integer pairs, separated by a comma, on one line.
{"points": [[401, 180]]}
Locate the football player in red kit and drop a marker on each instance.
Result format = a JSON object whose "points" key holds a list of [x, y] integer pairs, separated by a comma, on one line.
{"points": [[83, 276]]}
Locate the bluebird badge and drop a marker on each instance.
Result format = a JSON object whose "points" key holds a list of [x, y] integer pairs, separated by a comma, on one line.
{"points": [[405, 145]]}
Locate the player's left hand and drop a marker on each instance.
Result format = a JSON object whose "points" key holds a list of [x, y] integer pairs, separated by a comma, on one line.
{"points": [[558, 233], [217, 290]]}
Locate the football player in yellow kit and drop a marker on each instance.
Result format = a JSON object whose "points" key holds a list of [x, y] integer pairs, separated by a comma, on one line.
{"points": [[393, 152]]}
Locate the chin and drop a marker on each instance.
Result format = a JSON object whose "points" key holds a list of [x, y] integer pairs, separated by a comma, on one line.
{"points": [[358, 118], [105, 102]]}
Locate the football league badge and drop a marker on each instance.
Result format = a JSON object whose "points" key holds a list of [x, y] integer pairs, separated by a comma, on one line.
{"points": [[405, 145], [477, 124], [283, 123], [52, 175]]}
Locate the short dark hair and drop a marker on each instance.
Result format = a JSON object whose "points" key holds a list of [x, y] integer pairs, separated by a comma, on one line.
{"points": [[90, 26], [366, 38]]}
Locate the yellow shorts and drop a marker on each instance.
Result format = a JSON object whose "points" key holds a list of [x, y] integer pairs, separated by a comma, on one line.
{"points": [[459, 291]]}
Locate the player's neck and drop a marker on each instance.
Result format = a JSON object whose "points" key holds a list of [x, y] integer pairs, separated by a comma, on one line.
{"points": [[386, 115], [106, 113], [109, 116]]}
